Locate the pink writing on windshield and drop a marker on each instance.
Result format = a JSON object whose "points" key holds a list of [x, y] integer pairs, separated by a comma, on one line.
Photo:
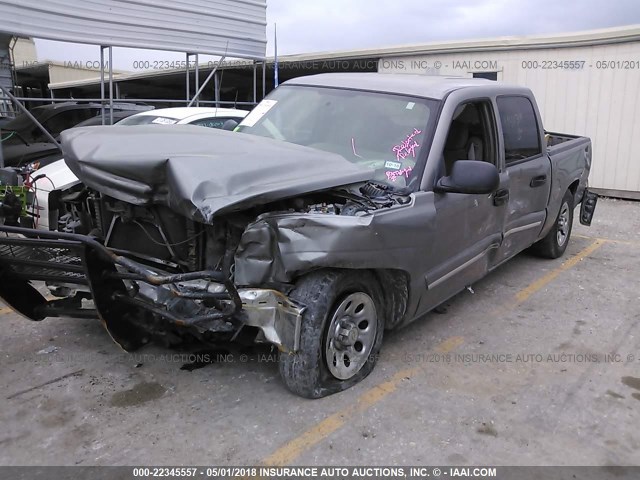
{"points": [[408, 146], [392, 175]]}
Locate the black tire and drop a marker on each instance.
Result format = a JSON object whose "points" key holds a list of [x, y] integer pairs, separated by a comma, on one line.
{"points": [[306, 372], [551, 246]]}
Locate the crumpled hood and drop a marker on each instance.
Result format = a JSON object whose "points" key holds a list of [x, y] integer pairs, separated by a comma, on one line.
{"points": [[198, 171]]}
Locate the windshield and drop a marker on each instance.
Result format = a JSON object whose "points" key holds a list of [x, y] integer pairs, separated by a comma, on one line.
{"points": [[147, 120], [382, 131]]}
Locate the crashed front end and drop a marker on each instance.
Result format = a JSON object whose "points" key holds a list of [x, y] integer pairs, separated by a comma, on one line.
{"points": [[138, 303], [158, 223]]}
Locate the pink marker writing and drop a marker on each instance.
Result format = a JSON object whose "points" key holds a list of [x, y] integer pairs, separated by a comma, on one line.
{"points": [[408, 146], [393, 175]]}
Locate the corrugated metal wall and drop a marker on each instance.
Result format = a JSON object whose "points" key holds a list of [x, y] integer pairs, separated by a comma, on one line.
{"points": [[195, 26], [601, 100]]}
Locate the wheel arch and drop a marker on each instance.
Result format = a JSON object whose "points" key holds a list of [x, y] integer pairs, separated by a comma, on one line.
{"points": [[573, 188], [394, 285]]}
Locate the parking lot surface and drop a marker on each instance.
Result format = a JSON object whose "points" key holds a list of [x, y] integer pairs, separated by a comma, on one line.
{"points": [[539, 366]]}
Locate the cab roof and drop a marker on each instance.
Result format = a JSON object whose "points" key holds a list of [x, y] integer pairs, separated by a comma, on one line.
{"points": [[428, 86]]}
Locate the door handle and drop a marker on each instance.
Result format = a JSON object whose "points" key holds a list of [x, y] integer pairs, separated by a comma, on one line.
{"points": [[538, 181], [501, 197]]}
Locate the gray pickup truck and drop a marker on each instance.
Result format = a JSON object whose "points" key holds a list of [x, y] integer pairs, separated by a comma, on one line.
{"points": [[343, 205]]}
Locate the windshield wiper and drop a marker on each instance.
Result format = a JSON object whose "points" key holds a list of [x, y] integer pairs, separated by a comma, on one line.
{"points": [[381, 192]]}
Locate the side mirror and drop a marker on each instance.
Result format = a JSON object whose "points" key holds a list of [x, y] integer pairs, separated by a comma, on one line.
{"points": [[229, 124], [470, 176]]}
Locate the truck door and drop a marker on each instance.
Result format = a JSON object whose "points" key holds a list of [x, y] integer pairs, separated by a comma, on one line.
{"points": [[469, 226], [526, 175]]}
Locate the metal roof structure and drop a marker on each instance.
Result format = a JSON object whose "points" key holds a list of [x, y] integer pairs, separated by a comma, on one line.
{"points": [[236, 28], [228, 28]]}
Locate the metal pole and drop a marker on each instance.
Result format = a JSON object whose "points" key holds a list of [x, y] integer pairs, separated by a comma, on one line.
{"points": [[187, 79], [148, 100], [213, 72], [255, 82], [197, 80], [31, 117], [264, 78], [216, 87], [102, 83], [276, 80], [110, 85]]}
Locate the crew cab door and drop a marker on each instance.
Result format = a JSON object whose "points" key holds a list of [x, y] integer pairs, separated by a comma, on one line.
{"points": [[525, 177], [469, 226]]}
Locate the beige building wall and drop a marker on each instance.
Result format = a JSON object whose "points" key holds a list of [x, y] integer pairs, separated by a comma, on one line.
{"points": [[60, 73], [24, 52]]}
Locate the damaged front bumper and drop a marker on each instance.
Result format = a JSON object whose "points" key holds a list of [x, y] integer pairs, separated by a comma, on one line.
{"points": [[134, 301]]}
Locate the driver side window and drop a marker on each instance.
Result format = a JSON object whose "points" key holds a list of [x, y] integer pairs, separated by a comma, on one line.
{"points": [[471, 135]]}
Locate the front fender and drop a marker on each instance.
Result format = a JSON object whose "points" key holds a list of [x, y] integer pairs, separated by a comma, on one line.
{"points": [[277, 248]]}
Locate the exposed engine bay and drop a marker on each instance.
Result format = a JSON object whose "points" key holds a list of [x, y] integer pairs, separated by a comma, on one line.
{"points": [[160, 238], [207, 294]]}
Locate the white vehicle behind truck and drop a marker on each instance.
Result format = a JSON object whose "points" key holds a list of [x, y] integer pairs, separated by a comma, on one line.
{"points": [[52, 181]]}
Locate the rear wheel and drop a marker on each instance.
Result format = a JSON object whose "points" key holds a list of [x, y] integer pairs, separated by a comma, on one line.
{"points": [[555, 242], [341, 333]]}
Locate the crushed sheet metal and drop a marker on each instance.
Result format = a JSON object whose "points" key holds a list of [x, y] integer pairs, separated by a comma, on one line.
{"points": [[278, 317], [200, 172]]}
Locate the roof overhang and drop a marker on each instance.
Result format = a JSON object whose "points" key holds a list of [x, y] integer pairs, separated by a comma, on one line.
{"points": [[236, 28]]}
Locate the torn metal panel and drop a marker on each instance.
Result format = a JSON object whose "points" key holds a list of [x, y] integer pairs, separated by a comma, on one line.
{"points": [[277, 316], [279, 247], [200, 173]]}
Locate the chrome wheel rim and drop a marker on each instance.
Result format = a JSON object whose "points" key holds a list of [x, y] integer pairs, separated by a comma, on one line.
{"points": [[563, 224], [351, 335]]}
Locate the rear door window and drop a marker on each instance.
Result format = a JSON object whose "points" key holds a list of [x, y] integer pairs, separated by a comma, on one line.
{"points": [[519, 127]]}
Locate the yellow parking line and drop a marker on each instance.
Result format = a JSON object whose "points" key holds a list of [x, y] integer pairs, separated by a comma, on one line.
{"points": [[289, 452], [611, 240], [292, 450], [525, 293], [449, 344], [5, 310]]}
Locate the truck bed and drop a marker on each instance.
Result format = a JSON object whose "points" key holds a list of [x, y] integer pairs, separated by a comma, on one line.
{"points": [[555, 139]]}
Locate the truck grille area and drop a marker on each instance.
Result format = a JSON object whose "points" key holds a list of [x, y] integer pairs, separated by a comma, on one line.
{"points": [[38, 259]]}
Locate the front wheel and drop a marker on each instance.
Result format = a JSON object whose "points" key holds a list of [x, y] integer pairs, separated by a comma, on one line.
{"points": [[341, 332], [555, 242]]}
